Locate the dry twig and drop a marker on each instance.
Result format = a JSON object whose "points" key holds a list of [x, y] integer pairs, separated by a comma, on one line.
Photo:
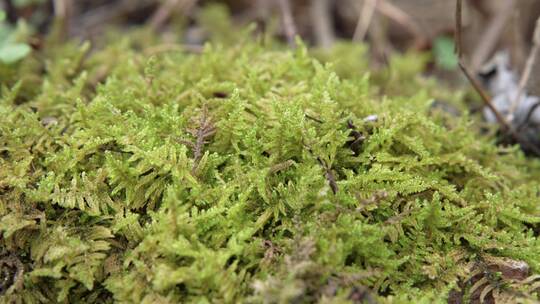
{"points": [[328, 172], [204, 130], [485, 97], [329, 175], [364, 19], [527, 71]]}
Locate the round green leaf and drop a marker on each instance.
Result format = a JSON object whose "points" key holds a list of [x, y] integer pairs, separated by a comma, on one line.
{"points": [[13, 52]]}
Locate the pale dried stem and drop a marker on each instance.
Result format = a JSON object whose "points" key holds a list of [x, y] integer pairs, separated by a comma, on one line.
{"points": [[527, 71], [364, 19], [491, 35]]}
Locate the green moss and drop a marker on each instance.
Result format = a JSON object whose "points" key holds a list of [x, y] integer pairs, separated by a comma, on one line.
{"points": [[210, 178]]}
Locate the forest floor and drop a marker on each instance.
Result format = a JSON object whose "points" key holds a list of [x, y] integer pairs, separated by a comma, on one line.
{"points": [[282, 151]]}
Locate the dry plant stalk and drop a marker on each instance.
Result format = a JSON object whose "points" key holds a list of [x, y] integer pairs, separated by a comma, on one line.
{"points": [[527, 71], [485, 97], [204, 129], [364, 19]]}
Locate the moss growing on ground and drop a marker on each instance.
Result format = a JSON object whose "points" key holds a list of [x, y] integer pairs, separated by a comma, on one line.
{"points": [[251, 175]]}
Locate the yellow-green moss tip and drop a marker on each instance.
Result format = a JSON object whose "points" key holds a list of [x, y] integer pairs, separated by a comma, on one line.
{"points": [[245, 174]]}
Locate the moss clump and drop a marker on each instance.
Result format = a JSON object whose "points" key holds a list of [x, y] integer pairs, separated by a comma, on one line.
{"points": [[250, 175]]}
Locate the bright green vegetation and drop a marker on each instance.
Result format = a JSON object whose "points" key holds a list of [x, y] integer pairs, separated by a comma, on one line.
{"points": [[210, 178]]}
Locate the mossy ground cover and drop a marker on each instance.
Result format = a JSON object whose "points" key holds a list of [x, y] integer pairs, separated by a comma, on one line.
{"points": [[250, 174]]}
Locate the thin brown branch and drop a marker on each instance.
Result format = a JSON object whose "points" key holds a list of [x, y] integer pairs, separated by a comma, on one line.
{"points": [[313, 118], [288, 22], [203, 131], [485, 97], [329, 175]]}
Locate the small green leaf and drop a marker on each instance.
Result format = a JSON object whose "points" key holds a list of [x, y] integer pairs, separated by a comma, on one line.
{"points": [[443, 51], [13, 52]]}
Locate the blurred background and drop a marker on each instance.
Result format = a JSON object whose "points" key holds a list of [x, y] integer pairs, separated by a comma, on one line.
{"points": [[388, 26]]}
